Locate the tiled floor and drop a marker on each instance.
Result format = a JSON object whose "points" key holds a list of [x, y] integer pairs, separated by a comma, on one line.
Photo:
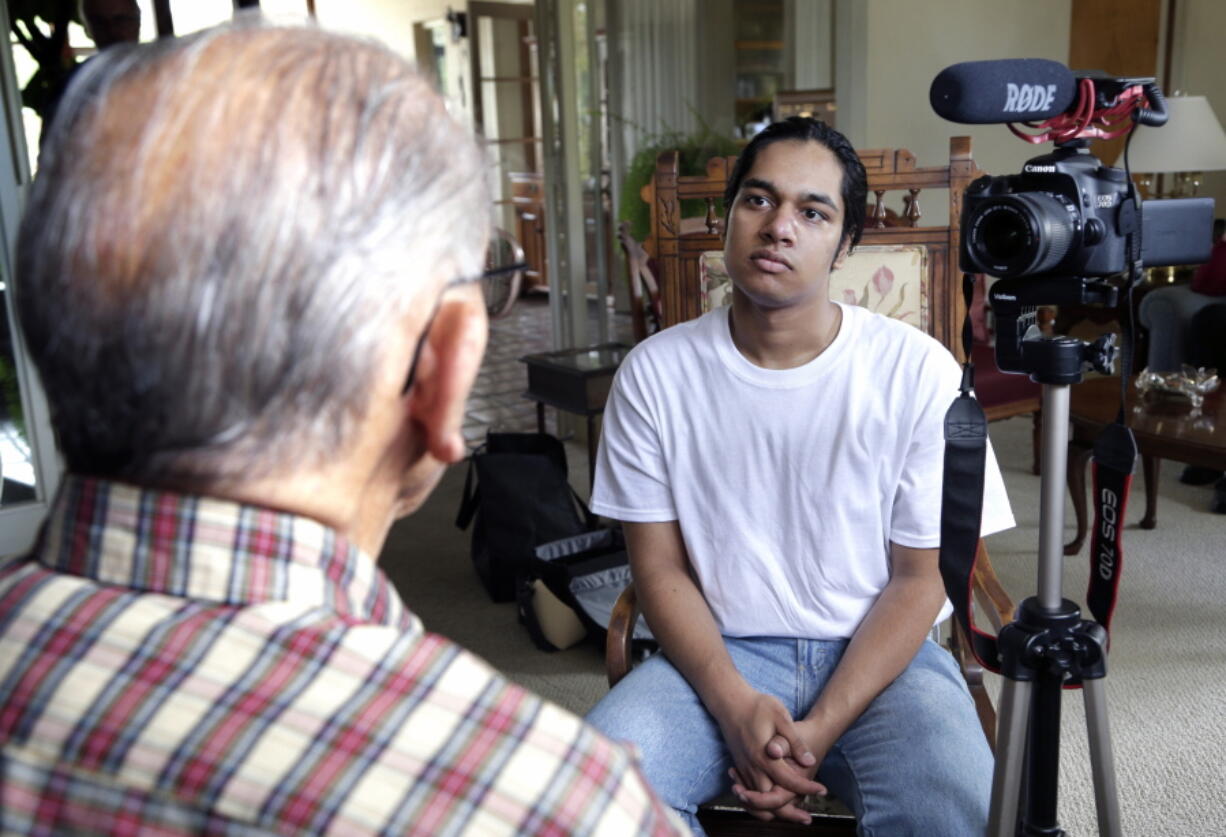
{"points": [[497, 401]]}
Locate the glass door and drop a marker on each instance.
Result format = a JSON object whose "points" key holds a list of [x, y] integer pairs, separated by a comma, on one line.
{"points": [[503, 69], [29, 467]]}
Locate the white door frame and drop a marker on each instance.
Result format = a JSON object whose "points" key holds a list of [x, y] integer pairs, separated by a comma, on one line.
{"points": [[19, 524]]}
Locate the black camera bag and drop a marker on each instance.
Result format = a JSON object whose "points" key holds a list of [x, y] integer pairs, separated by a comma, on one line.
{"points": [[516, 496]]}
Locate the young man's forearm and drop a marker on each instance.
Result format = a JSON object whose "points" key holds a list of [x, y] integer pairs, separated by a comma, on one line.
{"points": [[682, 623], [883, 646]]}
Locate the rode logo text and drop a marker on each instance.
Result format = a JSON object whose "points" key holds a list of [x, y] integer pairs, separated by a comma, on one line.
{"points": [[1020, 98]]}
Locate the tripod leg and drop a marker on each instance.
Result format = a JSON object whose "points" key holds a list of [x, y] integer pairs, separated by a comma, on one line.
{"points": [[1102, 762], [1010, 752]]}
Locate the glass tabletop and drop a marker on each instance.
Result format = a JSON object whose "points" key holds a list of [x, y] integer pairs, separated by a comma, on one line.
{"points": [[1097, 401], [602, 358]]}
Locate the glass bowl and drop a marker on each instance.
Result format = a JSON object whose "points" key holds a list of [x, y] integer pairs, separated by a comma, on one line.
{"points": [[1176, 391]]}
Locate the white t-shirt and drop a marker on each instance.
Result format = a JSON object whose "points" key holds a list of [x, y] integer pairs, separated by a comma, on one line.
{"points": [[788, 485]]}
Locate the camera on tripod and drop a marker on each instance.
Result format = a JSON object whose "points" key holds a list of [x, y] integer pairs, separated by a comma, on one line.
{"points": [[1065, 215], [1055, 232], [1066, 230]]}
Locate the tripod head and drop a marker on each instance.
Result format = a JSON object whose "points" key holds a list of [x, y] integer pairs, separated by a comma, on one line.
{"points": [[1021, 347]]}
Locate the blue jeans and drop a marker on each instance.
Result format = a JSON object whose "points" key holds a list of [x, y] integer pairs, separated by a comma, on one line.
{"points": [[916, 762]]}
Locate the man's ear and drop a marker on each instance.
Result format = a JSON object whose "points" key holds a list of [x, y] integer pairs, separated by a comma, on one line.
{"points": [[841, 256], [450, 358]]}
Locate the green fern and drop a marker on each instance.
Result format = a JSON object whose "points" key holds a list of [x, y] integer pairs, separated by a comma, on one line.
{"points": [[696, 149]]}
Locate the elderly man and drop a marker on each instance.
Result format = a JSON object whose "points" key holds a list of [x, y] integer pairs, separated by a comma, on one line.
{"points": [[237, 275]]}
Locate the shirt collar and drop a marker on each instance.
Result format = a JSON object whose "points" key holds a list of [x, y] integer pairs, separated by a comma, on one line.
{"points": [[209, 549]]}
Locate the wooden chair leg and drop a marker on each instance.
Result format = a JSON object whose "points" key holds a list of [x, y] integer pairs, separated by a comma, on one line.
{"points": [[1150, 465], [1078, 459], [972, 673]]}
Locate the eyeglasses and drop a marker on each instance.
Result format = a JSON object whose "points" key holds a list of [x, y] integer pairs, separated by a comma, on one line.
{"points": [[492, 273]]}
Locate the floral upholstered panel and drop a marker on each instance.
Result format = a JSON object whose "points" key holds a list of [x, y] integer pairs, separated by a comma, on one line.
{"points": [[713, 281], [885, 278]]}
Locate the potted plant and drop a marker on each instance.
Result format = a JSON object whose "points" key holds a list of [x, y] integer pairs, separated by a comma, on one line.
{"points": [[695, 150]]}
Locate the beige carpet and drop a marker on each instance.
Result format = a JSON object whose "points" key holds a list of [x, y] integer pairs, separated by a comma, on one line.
{"points": [[1167, 683]]}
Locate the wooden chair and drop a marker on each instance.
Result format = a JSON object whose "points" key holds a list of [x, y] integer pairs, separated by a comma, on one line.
{"points": [[678, 253], [925, 289], [528, 199], [644, 290]]}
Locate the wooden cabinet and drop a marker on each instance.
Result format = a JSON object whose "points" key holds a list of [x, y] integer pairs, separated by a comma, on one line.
{"points": [[761, 69]]}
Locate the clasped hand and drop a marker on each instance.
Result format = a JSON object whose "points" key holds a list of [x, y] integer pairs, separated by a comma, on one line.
{"points": [[773, 764]]}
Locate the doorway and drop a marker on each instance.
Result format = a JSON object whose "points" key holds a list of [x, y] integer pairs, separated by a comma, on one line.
{"points": [[29, 465]]}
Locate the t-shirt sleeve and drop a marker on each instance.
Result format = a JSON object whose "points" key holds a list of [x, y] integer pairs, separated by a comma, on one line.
{"points": [[916, 520], [632, 481]]}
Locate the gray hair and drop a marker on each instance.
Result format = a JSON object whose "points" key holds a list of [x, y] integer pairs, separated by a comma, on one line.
{"points": [[224, 232]]}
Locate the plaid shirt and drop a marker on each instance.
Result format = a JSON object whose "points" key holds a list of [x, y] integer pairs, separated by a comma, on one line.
{"points": [[182, 665]]}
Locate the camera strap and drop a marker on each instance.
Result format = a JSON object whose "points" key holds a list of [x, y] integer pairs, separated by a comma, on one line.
{"points": [[1114, 458], [966, 447], [1115, 452]]}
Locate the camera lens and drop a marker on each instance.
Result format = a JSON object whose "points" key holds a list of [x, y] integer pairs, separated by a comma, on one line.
{"points": [[1022, 234], [1005, 236]]}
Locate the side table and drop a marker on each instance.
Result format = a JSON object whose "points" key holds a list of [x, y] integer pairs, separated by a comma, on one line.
{"points": [[1197, 440], [574, 381]]}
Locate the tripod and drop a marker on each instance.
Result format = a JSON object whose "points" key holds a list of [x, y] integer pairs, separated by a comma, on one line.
{"points": [[1049, 642]]}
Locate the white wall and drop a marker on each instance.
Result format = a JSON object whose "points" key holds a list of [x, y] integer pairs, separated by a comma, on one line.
{"points": [[391, 21], [809, 43], [888, 52], [1198, 67], [192, 15]]}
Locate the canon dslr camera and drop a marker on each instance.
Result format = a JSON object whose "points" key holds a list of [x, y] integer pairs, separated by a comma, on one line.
{"points": [[1066, 214]]}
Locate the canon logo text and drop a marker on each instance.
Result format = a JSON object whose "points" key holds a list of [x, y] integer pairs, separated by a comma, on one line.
{"points": [[1106, 546]]}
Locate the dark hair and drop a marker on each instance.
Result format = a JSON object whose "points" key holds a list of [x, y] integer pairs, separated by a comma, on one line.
{"points": [[806, 129]]}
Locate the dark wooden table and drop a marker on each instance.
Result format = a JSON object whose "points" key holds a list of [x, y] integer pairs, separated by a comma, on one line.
{"points": [[1161, 433], [575, 381]]}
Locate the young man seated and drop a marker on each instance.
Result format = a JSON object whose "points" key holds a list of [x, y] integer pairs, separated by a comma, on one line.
{"points": [[778, 465]]}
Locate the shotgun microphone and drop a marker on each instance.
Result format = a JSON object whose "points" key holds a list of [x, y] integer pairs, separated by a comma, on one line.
{"points": [[1009, 90]]}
